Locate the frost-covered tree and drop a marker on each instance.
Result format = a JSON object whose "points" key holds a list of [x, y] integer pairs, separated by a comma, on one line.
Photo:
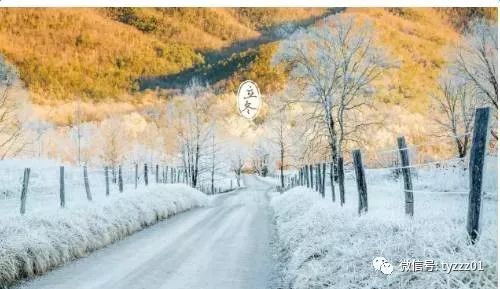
{"points": [[237, 153], [279, 126], [39, 129], [114, 144], [11, 129], [192, 130], [476, 60], [215, 155], [333, 65], [456, 102], [261, 157]]}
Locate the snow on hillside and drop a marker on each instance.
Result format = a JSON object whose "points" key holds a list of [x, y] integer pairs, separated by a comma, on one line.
{"points": [[327, 246], [48, 237]]}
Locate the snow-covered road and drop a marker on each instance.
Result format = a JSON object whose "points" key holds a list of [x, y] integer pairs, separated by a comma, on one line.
{"points": [[225, 245]]}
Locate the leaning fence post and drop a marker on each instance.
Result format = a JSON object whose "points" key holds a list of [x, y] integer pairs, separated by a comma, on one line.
{"points": [[86, 182], [24, 191], [360, 181], [405, 164], [146, 174], [106, 177], [62, 200], [476, 168], [120, 179]]}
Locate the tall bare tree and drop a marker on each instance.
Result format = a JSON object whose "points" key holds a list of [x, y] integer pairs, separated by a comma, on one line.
{"points": [[456, 102], [11, 129], [260, 157], [280, 130], [193, 132], [237, 154], [333, 65], [113, 142], [476, 60]]}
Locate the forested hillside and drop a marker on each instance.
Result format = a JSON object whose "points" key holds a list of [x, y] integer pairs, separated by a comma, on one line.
{"points": [[116, 53], [104, 53]]}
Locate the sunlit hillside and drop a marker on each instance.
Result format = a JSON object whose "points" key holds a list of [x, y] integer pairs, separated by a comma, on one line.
{"points": [[408, 35], [418, 49], [104, 53], [62, 53], [119, 59]]}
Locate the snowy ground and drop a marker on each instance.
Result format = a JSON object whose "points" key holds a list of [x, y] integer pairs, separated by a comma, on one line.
{"points": [[225, 245], [48, 237], [326, 246]]}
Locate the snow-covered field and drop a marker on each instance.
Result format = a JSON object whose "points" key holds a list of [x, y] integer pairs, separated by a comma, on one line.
{"points": [[48, 236], [327, 246]]}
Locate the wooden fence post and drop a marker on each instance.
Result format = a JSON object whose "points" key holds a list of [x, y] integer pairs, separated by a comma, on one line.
{"points": [[146, 174], [318, 176], [157, 174], [323, 185], [306, 169], [311, 176], [136, 175], [360, 181], [315, 177], [24, 190], [408, 186], [476, 167], [331, 182], [86, 182], [340, 175], [62, 199], [120, 179], [106, 178], [113, 172]]}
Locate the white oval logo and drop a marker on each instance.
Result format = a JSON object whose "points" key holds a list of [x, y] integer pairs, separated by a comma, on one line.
{"points": [[249, 99]]}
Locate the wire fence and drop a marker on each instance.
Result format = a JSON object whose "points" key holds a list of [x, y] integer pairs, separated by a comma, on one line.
{"points": [[474, 175], [48, 187]]}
